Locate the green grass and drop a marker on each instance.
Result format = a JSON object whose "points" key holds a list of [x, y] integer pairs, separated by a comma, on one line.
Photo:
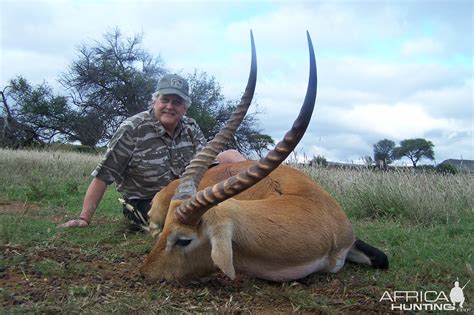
{"points": [[424, 222], [53, 179]]}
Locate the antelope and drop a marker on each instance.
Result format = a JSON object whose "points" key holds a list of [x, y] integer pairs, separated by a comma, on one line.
{"points": [[259, 218]]}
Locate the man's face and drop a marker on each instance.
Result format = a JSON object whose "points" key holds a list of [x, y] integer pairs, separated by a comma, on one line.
{"points": [[169, 109]]}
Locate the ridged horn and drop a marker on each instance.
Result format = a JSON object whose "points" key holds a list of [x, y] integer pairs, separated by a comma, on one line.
{"points": [[191, 211], [196, 168]]}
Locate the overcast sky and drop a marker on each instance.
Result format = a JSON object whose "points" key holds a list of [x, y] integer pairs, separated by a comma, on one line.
{"points": [[386, 69]]}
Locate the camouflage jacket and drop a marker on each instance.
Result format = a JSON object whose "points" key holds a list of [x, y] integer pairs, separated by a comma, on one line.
{"points": [[142, 158]]}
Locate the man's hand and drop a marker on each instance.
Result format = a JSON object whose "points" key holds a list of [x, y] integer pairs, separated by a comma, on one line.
{"points": [[74, 223]]}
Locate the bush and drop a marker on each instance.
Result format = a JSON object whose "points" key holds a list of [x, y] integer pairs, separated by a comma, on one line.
{"points": [[446, 169], [78, 148], [319, 161], [426, 168]]}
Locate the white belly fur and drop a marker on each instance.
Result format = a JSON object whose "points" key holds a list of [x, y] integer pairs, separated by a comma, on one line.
{"points": [[288, 273]]}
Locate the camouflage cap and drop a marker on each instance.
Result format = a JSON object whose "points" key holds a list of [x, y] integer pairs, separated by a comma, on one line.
{"points": [[174, 84]]}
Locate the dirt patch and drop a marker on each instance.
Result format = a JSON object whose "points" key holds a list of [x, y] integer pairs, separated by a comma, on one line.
{"points": [[49, 278], [97, 282], [25, 281], [20, 208]]}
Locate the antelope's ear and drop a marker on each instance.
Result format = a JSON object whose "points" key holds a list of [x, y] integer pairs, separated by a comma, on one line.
{"points": [[221, 254]]}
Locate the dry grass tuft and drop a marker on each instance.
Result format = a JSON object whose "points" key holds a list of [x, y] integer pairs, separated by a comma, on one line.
{"points": [[422, 198]]}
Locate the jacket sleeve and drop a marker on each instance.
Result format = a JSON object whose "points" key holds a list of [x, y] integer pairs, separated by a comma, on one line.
{"points": [[118, 154]]}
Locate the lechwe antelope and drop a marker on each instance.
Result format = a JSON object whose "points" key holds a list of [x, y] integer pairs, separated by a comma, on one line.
{"points": [[260, 218]]}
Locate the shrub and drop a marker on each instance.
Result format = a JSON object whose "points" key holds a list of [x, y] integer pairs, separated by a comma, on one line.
{"points": [[319, 161], [446, 169]]}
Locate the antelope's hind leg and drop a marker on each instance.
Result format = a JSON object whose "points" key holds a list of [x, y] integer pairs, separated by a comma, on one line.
{"points": [[363, 253]]}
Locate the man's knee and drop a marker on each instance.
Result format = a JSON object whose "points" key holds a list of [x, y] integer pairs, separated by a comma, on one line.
{"points": [[230, 156]]}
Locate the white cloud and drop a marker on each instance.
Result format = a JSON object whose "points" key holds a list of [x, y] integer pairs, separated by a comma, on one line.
{"points": [[451, 100], [421, 46], [399, 121], [371, 83]]}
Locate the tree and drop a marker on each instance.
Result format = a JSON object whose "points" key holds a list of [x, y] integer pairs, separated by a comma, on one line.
{"points": [[415, 150], [207, 101], [89, 128], [7, 139], [34, 115], [383, 153], [110, 81], [259, 144], [248, 137], [368, 161], [446, 168], [211, 111], [319, 160]]}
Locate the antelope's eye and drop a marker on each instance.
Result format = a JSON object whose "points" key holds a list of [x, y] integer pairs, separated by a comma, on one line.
{"points": [[183, 242]]}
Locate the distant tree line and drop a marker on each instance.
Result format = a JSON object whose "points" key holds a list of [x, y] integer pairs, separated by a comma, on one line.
{"points": [[109, 81], [385, 152]]}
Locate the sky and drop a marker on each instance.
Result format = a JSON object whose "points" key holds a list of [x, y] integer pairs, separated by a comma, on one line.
{"points": [[386, 69]]}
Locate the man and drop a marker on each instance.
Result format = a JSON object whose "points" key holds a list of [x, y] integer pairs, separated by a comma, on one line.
{"points": [[148, 151]]}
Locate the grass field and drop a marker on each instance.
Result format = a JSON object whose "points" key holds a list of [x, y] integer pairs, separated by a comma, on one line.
{"points": [[424, 222]]}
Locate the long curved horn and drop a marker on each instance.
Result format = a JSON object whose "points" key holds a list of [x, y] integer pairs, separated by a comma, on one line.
{"points": [[196, 168], [192, 210]]}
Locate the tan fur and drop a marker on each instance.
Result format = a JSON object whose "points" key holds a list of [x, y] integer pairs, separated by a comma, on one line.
{"points": [[282, 228]]}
